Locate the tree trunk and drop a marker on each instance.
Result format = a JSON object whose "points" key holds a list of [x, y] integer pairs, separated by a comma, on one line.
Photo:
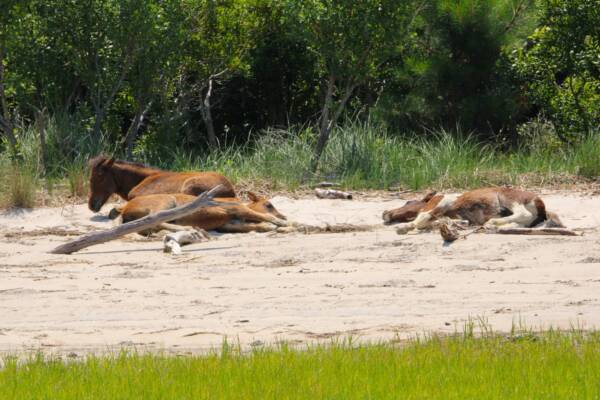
{"points": [[100, 108], [41, 125], [324, 124], [98, 119], [5, 121], [134, 129], [207, 117], [327, 123], [204, 200]]}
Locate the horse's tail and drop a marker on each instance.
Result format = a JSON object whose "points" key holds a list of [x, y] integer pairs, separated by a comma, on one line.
{"points": [[548, 218], [552, 220]]}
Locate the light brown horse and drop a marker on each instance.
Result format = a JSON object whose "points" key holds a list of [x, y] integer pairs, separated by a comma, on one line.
{"points": [[257, 215], [130, 180], [495, 206]]}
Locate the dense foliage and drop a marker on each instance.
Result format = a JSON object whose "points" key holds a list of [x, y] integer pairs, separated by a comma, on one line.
{"points": [[139, 77]]}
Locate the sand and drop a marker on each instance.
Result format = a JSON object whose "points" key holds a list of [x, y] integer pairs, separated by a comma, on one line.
{"points": [[261, 288]]}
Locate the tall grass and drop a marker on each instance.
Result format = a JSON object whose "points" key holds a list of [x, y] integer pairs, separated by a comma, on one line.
{"points": [[364, 156], [18, 186], [359, 156], [550, 365]]}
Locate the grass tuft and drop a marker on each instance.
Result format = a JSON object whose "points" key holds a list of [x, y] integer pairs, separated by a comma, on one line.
{"points": [[20, 186]]}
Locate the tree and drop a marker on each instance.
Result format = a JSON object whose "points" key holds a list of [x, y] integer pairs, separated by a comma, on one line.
{"points": [[458, 74], [7, 18], [560, 65], [217, 43], [158, 29], [353, 41]]}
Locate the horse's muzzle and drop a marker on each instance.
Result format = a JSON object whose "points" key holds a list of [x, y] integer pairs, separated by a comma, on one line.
{"points": [[95, 205]]}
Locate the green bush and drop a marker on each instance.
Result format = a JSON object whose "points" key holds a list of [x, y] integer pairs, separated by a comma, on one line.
{"points": [[560, 66]]}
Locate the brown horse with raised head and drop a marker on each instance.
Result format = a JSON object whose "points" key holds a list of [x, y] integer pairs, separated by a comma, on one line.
{"points": [[257, 215], [130, 180]]}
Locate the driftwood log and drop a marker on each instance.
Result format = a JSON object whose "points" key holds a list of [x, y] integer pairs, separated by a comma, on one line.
{"points": [[332, 194], [536, 231], [204, 200]]}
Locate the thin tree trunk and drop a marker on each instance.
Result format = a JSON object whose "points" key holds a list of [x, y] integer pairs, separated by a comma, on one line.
{"points": [[100, 109], [134, 129], [323, 124], [207, 116], [5, 125], [327, 123], [41, 125]]}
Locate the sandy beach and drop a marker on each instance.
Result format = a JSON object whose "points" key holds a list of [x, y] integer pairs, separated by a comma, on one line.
{"points": [[260, 288]]}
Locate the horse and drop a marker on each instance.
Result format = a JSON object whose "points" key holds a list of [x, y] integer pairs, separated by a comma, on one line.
{"points": [[130, 180], [490, 207], [257, 215], [408, 212]]}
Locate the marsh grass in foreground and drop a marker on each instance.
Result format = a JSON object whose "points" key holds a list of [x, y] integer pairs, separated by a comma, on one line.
{"points": [[551, 365]]}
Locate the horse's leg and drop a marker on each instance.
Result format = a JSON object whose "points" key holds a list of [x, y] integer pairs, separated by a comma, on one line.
{"points": [[115, 212], [245, 227], [245, 213], [522, 216], [165, 226], [423, 221]]}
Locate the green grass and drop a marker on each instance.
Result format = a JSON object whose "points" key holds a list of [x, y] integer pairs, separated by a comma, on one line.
{"points": [[551, 365], [359, 156], [367, 157]]}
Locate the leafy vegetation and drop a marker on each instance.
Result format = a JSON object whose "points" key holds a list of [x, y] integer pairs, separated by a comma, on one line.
{"points": [[560, 65], [457, 367], [262, 88]]}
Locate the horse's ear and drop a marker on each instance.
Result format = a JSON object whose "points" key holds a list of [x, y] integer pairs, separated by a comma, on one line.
{"points": [[109, 163], [253, 196]]}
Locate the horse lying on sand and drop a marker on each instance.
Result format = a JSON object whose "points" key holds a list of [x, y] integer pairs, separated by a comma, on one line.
{"points": [[258, 215], [490, 207], [130, 180]]}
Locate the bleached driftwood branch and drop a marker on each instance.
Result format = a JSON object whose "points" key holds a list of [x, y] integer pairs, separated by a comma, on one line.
{"points": [[536, 231], [332, 194]]}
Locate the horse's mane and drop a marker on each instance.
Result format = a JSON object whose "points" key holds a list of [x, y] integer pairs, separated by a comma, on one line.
{"points": [[100, 158]]}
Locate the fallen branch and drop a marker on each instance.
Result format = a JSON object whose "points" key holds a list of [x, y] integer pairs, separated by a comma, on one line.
{"points": [[535, 231], [204, 200], [332, 194]]}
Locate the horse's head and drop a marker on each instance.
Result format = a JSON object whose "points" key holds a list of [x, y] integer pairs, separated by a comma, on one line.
{"points": [[263, 205], [408, 212], [102, 182]]}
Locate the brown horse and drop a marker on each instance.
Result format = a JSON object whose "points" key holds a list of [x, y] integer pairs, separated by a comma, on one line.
{"points": [[496, 206], [130, 180], [257, 215]]}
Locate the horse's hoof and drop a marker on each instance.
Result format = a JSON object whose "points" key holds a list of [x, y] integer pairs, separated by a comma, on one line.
{"points": [[403, 230], [387, 217], [280, 222], [114, 213]]}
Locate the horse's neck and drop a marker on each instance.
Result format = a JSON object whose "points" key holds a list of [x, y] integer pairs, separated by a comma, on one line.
{"points": [[127, 177]]}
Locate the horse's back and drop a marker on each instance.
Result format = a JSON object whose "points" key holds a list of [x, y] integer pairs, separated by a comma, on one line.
{"points": [[190, 183]]}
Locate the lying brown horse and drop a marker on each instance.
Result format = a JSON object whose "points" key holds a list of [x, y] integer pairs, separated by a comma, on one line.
{"points": [[257, 215], [496, 206], [130, 180]]}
